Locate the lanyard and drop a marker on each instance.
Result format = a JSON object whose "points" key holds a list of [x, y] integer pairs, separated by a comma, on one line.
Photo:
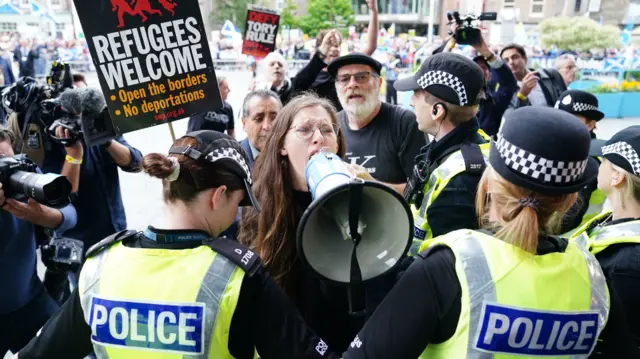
{"points": [[182, 237]]}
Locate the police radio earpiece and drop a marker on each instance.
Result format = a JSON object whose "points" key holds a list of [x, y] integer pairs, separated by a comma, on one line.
{"points": [[354, 230]]}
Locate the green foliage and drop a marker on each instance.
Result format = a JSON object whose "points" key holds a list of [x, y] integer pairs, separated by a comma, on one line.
{"points": [[578, 34], [233, 10], [327, 14], [288, 17]]}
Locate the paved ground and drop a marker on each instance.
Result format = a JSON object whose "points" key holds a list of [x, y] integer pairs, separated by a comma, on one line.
{"points": [[142, 194]]}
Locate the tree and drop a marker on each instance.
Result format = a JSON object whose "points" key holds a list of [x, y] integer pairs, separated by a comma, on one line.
{"points": [[232, 10], [288, 16], [327, 14], [578, 34]]}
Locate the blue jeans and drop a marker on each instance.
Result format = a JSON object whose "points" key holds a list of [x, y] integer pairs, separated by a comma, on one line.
{"points": [[19, 327]]}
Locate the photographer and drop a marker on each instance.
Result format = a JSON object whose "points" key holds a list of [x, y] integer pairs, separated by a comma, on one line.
{"points": [[24, 304], [536, 88], [98, 197]]}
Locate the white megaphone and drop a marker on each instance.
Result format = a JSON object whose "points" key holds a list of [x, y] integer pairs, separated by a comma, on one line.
{"points": [[354, 230]]}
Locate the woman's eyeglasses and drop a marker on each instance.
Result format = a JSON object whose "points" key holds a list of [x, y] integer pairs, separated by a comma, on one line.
{"points": [[305, 131], [360, 77]]}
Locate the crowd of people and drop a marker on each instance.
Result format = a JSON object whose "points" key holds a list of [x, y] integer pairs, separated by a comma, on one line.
{"points": [[512, 252]]}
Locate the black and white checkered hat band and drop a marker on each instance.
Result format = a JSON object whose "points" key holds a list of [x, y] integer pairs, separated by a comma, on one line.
{"points": [[627, 152], [231, 153], [539, 168], [580, 107], [446, 79]]}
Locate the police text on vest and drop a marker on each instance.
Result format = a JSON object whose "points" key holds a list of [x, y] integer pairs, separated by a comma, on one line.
{"points": [[167, 327], [530, 332]]}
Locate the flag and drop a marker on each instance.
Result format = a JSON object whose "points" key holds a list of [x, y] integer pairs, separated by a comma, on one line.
{"points": [[625, 36]]}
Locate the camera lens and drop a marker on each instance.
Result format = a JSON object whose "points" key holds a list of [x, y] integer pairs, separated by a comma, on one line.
{"points": [[49, 189]]}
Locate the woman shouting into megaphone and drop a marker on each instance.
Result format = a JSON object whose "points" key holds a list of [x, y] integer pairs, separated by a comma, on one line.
{"points": [[304, 127]]}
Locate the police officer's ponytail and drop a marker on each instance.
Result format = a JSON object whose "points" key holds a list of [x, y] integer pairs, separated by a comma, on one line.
{"points": [[519, 214], [158, 165], [183, 178]]}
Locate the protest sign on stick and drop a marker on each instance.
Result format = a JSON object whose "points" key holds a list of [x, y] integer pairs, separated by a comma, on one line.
{"points": [[261, 30], [152, 58]]}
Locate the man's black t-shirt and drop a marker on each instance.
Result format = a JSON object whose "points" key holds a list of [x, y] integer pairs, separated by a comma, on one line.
{"points": [[387, 146], [218, 120]]}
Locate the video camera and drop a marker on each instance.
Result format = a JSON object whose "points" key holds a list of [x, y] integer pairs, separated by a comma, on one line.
{"points": [[57, 104], [20, 180], [62, 254], [468, 32]]}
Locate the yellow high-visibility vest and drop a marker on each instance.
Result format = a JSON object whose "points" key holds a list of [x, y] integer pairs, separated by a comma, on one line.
{"points": [[158, 303], [516, 304]]}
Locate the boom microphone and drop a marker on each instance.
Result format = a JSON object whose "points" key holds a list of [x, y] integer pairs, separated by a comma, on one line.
{"points": [[354, 230], [71, 101], [93, 101]]}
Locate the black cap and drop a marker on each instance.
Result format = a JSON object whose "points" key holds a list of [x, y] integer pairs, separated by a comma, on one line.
{"points": [[216, 147], [451, 77], [478, 59], [353, 59], [623, 149], [545, 150], [580, 103]]}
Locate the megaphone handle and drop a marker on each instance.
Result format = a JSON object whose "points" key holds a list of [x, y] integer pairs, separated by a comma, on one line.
{"points": [[355, 206], [355, 293]]}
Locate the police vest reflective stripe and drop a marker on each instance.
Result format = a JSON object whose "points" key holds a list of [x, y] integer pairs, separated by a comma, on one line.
{"points": [[438, 180], [500, 315], [599, 238], [148, 303]]}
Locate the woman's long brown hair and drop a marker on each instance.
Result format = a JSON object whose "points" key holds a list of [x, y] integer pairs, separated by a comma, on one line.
{"points": [[272, 232]]}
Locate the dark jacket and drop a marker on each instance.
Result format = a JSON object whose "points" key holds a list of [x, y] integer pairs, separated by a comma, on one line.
{"points": [[99, 202], [455, 207], [247, 148], [500, 91], [303, 81], [552, 86], [26, 59], [621, 266]]}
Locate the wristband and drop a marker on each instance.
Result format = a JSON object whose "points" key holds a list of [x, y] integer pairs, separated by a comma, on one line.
{"points": [[521, 96], [73, 161]]}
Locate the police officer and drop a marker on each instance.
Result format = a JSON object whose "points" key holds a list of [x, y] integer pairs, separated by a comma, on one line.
{"points": [[584, 106], [614, 236], [447, 90], [176, 290], [510, 289]]}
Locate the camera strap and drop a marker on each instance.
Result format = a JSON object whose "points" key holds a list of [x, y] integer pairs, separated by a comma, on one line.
{"points": [[25, 126]]}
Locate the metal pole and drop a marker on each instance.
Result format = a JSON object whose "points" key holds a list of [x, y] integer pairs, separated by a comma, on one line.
{"points": [[432, 10], [173, 134]]}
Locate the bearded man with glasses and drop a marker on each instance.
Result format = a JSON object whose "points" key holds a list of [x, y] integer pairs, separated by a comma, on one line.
{"points": [[382, 139]]}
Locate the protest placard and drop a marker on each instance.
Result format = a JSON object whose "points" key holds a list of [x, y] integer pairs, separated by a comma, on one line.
{"points": [[152, 58], [261, 30]]}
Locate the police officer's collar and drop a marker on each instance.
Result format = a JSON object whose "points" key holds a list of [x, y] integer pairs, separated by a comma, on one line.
{"points": [[464, 132], [171, 236]]}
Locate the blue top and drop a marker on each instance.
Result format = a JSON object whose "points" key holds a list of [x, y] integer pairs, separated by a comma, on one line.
{"points": [[99, 202], [19, 282]]}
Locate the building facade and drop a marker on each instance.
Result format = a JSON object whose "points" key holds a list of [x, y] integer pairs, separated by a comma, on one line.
{"points": [[39, 18]]}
